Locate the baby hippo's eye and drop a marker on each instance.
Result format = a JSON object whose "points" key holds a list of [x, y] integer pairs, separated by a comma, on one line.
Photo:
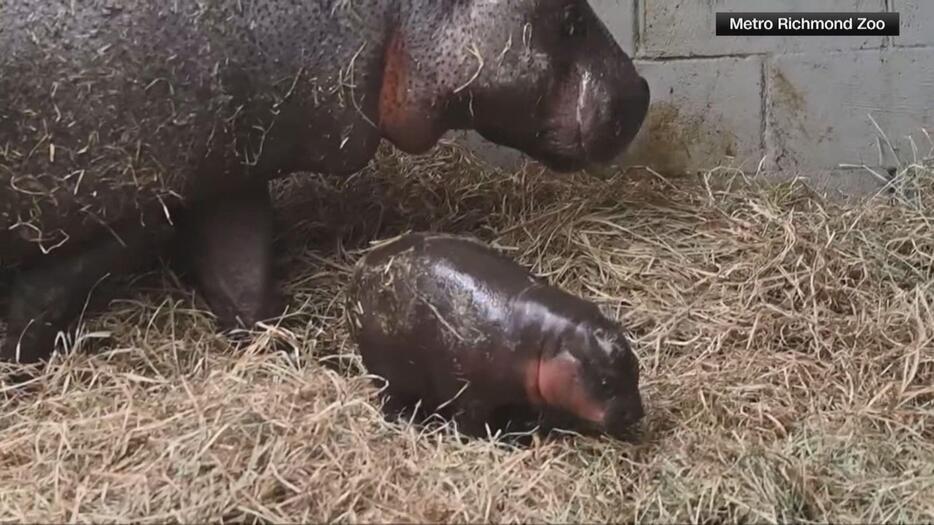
{"points": [[608, 387], [573, 25]]}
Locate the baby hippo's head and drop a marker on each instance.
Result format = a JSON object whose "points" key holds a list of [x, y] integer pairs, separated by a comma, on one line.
{"points": [[593, 378]]}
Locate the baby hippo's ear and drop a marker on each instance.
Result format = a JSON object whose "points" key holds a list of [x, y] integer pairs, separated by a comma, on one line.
{"points": [[612, 342]]}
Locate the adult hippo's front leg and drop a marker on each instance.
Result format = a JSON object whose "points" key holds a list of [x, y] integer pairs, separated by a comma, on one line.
{"points": [[225, 244]]}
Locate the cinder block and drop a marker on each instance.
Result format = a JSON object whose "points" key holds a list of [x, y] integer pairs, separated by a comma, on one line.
{"points": [[819, 107], [688, 28], [917, 17], [620, 18], [702, 111]]}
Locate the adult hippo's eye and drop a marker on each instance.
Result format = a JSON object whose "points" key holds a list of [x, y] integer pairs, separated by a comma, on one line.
{"points": [[573, 24]]}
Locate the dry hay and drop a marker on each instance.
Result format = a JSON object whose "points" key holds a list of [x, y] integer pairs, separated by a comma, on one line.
{"points": [[786, 343]]}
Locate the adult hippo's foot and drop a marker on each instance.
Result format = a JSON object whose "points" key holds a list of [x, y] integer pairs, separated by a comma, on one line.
{"points": [[49, 298], [225, 244]]}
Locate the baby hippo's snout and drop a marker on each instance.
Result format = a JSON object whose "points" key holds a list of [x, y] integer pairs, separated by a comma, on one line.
{"points": [[623, 415]]}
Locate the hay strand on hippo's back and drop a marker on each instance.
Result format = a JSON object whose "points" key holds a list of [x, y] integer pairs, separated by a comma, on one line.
{"points": [[785, 342]]}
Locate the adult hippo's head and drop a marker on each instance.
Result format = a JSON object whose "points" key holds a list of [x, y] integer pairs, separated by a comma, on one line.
{"points": [[542, 76]]}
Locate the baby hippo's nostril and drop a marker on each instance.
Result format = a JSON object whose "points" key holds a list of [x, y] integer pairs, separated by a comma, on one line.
{"points": [[638, 412], [632, 413], [624, 415]]}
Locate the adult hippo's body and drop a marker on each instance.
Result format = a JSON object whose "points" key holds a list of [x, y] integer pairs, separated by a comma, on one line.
{"points": [[125, 123]]}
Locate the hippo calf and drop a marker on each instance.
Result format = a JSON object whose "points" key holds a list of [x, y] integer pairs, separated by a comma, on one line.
{"points": [[130, 126], [459, 329]]}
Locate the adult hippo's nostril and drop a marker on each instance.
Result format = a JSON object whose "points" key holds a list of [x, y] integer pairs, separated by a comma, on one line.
{"points": [[631, 110], [639, 106], [645, 86]]}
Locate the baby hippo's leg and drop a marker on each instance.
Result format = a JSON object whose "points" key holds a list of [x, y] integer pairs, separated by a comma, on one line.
{"points": [[398, 405], [474, 418], [227, 246], [48, 298]]}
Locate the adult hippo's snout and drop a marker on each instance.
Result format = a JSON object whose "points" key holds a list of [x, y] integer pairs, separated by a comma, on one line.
{"points": [[603, 114], [610, 114], [590, 108]]}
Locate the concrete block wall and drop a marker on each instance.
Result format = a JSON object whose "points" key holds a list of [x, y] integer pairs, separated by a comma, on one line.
{"points": [[800, 106]]}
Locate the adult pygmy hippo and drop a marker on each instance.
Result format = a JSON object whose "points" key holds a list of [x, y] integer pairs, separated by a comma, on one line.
{"points": [[471, 335], [124, 123]]}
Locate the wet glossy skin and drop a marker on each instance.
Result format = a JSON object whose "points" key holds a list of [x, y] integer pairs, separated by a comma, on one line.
{"points": [[432, 313], [143, 117]]}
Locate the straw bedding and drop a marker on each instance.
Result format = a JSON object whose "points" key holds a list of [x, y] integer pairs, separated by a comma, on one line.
{"points": [[786, 343]]}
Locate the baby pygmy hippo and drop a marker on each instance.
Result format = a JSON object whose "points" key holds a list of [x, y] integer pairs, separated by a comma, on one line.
{"points": [[451, 323]]}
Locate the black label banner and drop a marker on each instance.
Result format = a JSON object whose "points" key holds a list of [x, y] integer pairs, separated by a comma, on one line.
{"points": [[807, 24]]}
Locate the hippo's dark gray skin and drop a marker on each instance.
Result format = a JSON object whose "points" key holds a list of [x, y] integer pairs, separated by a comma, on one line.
{"points": [[450, 324], [124, 123]]}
